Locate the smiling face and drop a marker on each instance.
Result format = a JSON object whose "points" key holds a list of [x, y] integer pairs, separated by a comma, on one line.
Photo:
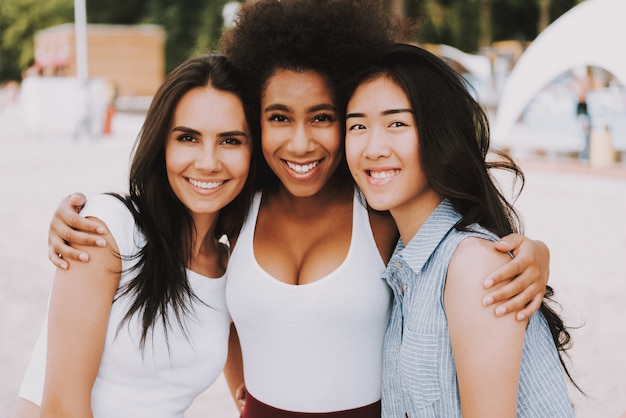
{"points": [[301, 135], [382, 149], [208, 148]]}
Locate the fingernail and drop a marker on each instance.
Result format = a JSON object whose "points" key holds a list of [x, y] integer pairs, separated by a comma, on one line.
{"points": [[101, 243], [83, 257], [488, 300], [521, 316], [100, 230], [488, 283], [500, 310]]}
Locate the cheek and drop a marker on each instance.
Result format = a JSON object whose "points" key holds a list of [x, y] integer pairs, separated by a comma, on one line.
{"points": [[176, 159], [270, 145], [333, 142], [355, 144], [239, 164], [171, 169], [170, 160]]}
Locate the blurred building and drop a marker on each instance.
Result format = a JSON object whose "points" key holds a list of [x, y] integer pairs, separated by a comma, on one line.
{"points": [[131, 58]]}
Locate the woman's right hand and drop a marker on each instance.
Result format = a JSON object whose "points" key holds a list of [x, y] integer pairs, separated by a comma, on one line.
{"points": [[68, 227]]}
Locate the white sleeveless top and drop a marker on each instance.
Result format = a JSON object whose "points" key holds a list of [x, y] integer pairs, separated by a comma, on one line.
{"points": [[314, 347], [158, 383]]}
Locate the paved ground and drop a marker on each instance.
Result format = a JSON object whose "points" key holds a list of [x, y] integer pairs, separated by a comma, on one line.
{"points": [[580, 212]]}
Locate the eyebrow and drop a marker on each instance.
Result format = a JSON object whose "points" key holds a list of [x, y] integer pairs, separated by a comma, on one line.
{"points": [[316, 108], [384, 113], [198, 133]]}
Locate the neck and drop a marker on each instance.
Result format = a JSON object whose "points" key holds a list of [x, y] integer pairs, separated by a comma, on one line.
{"points": [[204, 235], [207, 254], [410, 217], [333, 191]]}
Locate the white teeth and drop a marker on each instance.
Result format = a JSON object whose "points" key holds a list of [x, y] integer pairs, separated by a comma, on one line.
{"points": [[206, 184], [383, 174], [302, 169]]}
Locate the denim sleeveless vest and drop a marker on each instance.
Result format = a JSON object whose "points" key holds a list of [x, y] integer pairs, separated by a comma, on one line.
{"points": [[419, 376]]}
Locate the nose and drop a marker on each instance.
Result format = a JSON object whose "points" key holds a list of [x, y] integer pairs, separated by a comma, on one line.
{"points": [[208, 158], [300, 142], [377, 144]]}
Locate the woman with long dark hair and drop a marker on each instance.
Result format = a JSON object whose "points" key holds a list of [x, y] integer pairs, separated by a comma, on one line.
{"points": [[143, 328], [416, 145]]}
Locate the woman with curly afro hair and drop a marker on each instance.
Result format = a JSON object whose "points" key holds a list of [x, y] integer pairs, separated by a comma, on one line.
{"points": [[304, 280]]}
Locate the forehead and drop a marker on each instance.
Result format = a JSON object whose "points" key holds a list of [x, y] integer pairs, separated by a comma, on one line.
{"points": [[290, 86], [208, 105], [379, 92]]}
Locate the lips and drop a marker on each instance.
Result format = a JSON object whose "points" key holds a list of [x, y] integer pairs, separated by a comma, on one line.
{"points": [[302, 168], [208, 185], [382, 174]]}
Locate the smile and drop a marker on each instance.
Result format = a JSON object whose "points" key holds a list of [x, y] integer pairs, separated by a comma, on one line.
{"points": [[205, 184], [382, 174], [302, 168]]}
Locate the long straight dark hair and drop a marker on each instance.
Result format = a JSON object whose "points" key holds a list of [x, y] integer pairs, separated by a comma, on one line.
{"points": [[453, 133], [161, 281]]}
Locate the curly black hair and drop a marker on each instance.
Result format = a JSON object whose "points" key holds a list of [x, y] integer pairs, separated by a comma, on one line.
{"points": [[332, 37]]}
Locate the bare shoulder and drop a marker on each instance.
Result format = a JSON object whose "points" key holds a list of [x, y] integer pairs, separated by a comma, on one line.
{"points": [[108, 237], [464, 292], [475, 257], [472, 261]]}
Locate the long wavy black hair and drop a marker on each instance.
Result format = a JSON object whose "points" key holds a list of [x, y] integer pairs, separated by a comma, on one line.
{"points": [[454, 142], [161, 281]]}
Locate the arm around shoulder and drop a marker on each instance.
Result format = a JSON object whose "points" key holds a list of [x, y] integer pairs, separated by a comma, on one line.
{"points": [[526, 277], [68, 228]]}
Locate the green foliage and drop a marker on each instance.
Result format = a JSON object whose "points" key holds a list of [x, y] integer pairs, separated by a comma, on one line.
{"points": [[19, 20], [194, 26], [125, 12], [459, 22]]}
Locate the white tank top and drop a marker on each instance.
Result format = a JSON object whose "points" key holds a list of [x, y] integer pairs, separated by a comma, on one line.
{"points": [[314, 347], [159, 382]]}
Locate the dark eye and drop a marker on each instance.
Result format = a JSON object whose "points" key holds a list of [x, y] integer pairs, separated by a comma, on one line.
{"points": [[356, 127], [324, 117], [186, 138], [276, 117], [397, 124], [231, 141]]}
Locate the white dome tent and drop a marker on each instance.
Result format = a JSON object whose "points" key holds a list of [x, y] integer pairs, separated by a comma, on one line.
{"points": [[590, 34]]}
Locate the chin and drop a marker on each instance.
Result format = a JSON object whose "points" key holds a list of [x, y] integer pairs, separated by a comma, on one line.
{"points": [[378, 205]]}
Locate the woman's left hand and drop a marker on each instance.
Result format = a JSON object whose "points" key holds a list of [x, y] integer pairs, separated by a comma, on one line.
{"points": [[528, 274]]}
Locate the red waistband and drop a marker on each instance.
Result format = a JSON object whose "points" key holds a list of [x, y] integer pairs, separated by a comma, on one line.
{"points": [[257, 409]]}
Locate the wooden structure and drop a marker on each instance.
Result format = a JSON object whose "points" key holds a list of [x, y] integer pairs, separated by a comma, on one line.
{"points": [[131, 58]]}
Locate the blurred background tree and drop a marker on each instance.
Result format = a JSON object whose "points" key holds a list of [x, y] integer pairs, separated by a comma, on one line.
{"points": [[194, 26], [19, 20]]}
